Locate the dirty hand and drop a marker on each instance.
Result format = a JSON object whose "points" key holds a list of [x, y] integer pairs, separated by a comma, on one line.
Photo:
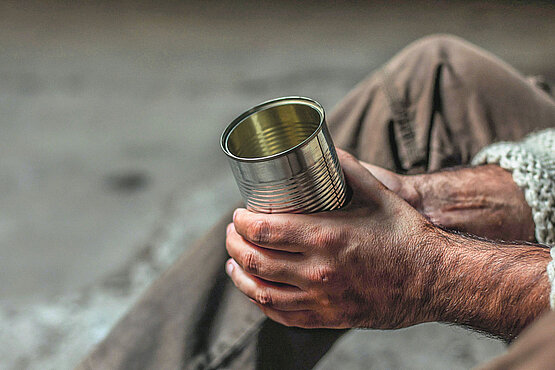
{"points": [[369, 264]]}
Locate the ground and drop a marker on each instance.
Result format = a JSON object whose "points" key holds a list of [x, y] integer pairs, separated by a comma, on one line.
{"points": [[110, 115]]}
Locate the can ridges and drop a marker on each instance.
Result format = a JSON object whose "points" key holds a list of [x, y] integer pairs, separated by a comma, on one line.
{"points": [[297, 193]]}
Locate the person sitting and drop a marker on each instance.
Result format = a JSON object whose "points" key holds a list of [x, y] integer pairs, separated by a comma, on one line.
{"points": [[451, 220]]}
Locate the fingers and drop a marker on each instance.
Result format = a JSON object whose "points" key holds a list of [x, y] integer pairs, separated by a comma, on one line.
{"points": [[268, 264], [266, 294], [286, 232]]}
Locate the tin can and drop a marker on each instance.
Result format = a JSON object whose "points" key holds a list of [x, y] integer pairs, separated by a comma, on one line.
{"points": [[283, 158]]}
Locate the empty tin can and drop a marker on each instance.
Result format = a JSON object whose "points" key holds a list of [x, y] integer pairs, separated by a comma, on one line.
{"points": [[283, 158]]}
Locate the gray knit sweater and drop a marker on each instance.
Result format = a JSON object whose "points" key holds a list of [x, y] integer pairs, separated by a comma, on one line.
{"points": [[532, 163]]}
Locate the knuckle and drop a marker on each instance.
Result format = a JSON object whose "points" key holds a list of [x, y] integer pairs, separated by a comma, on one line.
{"points": [[325, 238], [264, 298], [322, 298], [250, 263], [259, 231], [321, 275]]}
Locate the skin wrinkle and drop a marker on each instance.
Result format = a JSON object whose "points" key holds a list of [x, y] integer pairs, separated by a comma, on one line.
{"points": [[479, 200]]}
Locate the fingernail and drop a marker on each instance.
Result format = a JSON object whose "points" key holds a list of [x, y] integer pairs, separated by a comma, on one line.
{"points": [[229, 267], [228, 229]]}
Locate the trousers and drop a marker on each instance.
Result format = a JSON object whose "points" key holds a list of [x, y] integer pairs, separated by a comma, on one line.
{"points": [[433, 105]]}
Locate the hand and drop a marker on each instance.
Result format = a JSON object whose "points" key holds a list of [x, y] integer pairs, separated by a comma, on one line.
{"points": [[483, 201], [378, 263], [366, 265]]}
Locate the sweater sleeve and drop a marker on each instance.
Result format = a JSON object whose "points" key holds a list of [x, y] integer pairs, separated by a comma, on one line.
{"points": [[532, 163]]}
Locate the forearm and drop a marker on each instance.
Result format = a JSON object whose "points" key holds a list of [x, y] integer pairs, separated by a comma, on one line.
{"points": [[494, 287]]}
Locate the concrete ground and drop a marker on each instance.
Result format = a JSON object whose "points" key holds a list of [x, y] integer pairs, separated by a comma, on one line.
{"points": [[110, 116]]}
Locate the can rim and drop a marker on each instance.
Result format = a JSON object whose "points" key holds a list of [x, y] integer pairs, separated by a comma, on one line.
{"points": [[265, 105]]}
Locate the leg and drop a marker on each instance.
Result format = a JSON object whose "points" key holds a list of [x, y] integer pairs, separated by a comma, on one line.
{"points": [[434, 105], [533, 349], [172, 324]]}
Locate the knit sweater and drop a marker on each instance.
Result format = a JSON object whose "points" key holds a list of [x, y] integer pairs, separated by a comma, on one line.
{"points": [[532, 163]]}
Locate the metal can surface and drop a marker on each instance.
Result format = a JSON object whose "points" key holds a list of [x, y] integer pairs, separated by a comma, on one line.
{"points": [[283, 158]]}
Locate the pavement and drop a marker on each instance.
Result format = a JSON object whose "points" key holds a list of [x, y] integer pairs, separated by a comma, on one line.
{"points": [[110, 166]]}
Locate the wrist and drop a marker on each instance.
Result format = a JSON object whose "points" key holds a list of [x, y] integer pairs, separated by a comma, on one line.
{"points": [[429, 258]]}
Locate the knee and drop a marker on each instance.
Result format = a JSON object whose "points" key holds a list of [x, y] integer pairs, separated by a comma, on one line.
{"points": [[423, 55], [438, 44], [440, 39]]}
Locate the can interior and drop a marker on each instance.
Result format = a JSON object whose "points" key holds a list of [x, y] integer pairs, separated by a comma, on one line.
{"points": [[273, 130]]}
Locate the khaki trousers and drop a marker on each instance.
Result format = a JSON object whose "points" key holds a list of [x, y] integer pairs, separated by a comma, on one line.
{"points": [[434, 105]]}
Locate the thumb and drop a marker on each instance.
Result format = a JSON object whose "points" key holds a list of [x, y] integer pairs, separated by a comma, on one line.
{"points": [[391, 180], [404, 186], [360, 179]]}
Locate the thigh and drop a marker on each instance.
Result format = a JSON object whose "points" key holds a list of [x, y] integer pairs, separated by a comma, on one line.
{"points": [[436, 104], [191, 316], [533, 349]]}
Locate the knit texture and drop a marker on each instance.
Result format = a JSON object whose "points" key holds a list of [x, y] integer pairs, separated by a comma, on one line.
{"points": [[532, 163]]}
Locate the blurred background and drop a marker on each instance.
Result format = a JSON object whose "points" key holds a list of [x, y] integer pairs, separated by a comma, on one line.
{"points": [[110, 166]]}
